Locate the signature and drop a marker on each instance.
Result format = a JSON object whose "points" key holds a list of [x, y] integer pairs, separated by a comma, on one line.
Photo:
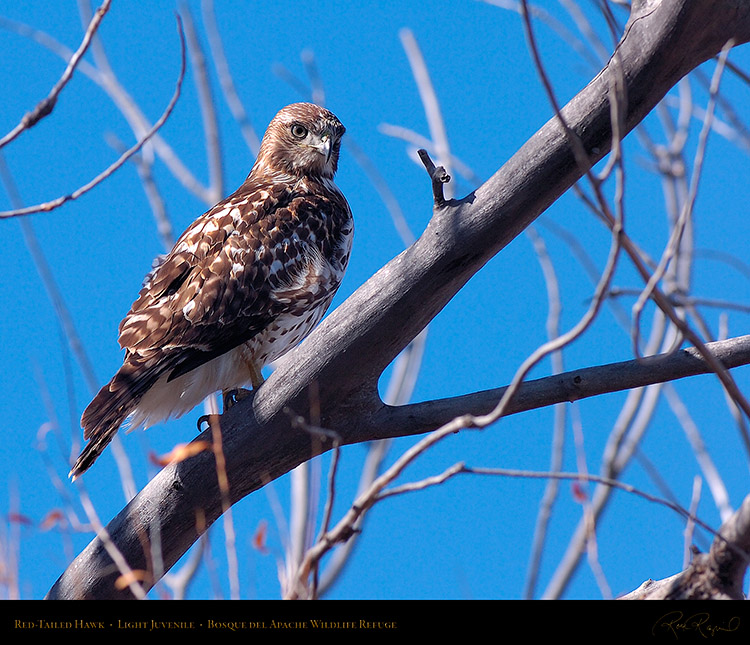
{"points": [[676, 623]]}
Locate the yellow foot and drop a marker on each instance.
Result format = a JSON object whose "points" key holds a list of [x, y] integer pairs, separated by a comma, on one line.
{"points": [[256, 378]]}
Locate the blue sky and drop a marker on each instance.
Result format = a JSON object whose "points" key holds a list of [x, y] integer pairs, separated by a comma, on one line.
{"points": [[469, 538]]}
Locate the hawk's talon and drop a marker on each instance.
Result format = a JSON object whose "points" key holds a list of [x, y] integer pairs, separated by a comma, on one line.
{"points": [[206, 418], [231, 397]]}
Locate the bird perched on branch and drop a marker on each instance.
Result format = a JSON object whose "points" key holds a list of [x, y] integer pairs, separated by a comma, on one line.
{"points": [[245, 283]]}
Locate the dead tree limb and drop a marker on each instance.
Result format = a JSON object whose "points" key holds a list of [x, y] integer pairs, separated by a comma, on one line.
{"points": [[716, 575]]}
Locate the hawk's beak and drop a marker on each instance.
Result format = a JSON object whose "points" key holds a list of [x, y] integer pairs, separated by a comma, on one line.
{"points": [[325, 147]]}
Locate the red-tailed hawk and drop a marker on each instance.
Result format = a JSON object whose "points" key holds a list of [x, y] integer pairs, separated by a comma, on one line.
{"points": [[245, 283]]}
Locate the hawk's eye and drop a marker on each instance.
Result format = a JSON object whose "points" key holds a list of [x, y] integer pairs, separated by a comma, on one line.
{"points": [[299, 131]]}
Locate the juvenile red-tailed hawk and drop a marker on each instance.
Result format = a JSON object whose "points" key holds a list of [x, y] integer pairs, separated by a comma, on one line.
{"points": [[245, 283]]}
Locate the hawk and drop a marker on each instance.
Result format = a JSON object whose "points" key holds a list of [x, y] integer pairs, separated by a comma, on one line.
{"points": [[246, 282]]}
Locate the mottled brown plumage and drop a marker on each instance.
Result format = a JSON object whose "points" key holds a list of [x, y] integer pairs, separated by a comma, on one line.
{"points": [[245, 283]]}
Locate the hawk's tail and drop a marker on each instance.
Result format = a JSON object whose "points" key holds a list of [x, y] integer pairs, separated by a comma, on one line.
{"points": [[107, 412]]}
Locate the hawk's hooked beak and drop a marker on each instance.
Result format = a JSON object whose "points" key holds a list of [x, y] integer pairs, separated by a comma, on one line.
{"points": [[325, 146]]}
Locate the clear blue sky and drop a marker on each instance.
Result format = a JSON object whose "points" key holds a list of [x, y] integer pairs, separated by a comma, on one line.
{"points": [[469, 538]]}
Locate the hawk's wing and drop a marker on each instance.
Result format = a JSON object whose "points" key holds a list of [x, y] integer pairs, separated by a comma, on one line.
{"points": [[215, 290]]}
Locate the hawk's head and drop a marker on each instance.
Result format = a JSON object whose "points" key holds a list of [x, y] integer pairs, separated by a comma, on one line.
{"points": [[303, 139]]}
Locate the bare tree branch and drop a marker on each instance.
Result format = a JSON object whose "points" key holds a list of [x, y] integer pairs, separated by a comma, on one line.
{"points": [[225, 78], [103, 75], [208, 108], [107, 172], [45, 106], [716, 575]]}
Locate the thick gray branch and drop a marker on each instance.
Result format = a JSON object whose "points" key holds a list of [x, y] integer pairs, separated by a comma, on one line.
{"points": [[579, 384], [663, 40]]}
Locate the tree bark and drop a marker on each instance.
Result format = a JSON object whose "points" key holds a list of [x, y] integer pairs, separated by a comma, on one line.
{"points": [[344, 357], [716, 575]]}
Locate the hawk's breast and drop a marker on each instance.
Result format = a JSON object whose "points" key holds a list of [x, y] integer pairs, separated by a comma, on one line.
{"points": [[312, 270]]}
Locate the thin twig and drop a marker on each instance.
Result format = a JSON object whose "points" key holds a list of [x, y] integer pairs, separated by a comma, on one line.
{"points": [[690, 524], [460, 469], [45, 106], [207, 107], [417, 141], [144, 168], [56, 203], [229, 532], [687, 209], [318, 93], [104, 77], [554, 310], [128, 577], [430, 101], [710, 472], [225, 78], [178, 581]]}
